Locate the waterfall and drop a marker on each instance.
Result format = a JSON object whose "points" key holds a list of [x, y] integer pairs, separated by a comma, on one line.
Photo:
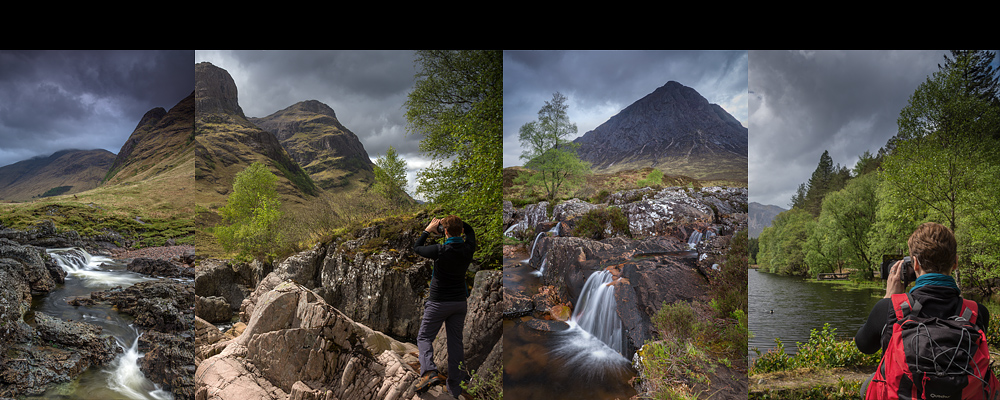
{"points": [[84, 274], [596, 312], [694, 238], [94, 271], [126, 378], [592, 346]]}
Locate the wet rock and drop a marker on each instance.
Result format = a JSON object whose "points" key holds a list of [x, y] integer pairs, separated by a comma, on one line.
{"points": [[169, 360], [88, 339], [159, 268]]}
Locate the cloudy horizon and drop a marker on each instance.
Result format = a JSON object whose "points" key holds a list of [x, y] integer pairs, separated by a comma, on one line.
{"points": [[83, 100], [803, 103]]}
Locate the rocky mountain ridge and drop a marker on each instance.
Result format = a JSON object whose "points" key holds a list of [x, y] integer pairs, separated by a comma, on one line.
{"points": [[331, 154], [673, 129], [227, 142]]}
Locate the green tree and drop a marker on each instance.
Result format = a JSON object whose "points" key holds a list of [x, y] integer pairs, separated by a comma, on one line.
{"points": [[782, 245], [548, 151], [457, 106], [390, 176], [943, 168], [252, 211], [978, 75], [845, 224]]}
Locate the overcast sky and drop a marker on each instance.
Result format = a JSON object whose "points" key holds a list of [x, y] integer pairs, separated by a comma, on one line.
{"points": [[366, 89], [57, 100], [599, 84], [805, 102]]}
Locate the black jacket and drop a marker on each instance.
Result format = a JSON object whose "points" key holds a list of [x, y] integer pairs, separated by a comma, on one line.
{"points": [[451, 261], [939, 301]]}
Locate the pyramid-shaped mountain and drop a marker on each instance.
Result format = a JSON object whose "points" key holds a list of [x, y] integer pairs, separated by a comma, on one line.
{"points": [[63, 172], [162, 143], [673, 129], [330, 153], [227, 142]]}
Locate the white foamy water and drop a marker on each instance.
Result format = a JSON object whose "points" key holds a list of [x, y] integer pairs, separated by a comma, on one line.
{"points": [[593, 343], [93, 271]]}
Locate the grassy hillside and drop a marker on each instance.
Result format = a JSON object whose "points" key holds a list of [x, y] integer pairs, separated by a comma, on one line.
{"points": [[148, 212]]}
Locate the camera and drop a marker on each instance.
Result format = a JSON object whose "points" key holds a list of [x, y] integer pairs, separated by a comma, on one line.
{"points": [[908, 274]]}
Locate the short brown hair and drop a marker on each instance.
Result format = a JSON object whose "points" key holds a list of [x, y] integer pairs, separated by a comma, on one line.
{"points": [[452, 225], [934, 247]]}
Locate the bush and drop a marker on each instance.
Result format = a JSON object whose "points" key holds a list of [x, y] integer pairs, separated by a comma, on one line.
{"points": [[602, 223], [252, 211], [822, 350], [654, 179]]}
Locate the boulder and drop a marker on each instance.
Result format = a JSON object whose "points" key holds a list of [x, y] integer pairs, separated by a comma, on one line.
{"points": [[296, 345]]}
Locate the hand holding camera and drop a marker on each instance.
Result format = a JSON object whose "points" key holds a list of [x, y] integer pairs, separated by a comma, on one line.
{"points": [[897, 276]]}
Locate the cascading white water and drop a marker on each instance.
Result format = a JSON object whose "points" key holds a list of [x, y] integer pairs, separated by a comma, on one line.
{"points": [[694, 239], [86, 272], [592, 344], [91, 269], [541, 269], [596, 312]]}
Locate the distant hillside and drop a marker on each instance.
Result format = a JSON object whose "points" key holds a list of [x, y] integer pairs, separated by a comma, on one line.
{"points": [[64, 172], [227, 142], [761, 216], [330, 153], [161, 142], [673, 129]]}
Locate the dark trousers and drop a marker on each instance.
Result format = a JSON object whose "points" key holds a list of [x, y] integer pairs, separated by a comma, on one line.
{"points": [[452, 315]]}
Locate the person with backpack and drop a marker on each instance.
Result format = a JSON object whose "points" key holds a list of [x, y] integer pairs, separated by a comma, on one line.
{"points": [[933, 341], [446, 303]]}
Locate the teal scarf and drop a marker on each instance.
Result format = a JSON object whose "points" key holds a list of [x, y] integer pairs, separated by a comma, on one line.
{"points": [[935, 280], [454, 239]]}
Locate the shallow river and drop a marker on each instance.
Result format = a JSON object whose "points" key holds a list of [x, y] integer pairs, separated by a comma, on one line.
{"points": [[121, 378]]}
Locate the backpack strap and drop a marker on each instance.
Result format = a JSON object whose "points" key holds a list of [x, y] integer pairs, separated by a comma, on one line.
{"points": [[969, 310], [905, 305]]}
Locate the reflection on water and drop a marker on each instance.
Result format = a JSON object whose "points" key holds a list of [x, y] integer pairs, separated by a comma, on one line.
{"points": [[789, 308]]}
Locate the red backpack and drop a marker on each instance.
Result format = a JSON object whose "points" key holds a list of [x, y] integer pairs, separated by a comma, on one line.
{"points": [[934, 358]]}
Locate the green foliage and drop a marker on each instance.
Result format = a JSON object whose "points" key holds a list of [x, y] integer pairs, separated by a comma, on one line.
{"points": [[489, 387], [654, 179], [601, 223], [782, 245], [252, 211], [58, 190], [457, 106], [729, 289], [823, 350], [390, 175], [841, 236], [548, 151]]}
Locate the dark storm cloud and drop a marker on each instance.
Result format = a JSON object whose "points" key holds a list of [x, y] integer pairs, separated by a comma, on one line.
{"points": [[56, 100], [805, 102], [366, 89], [599, 84]]}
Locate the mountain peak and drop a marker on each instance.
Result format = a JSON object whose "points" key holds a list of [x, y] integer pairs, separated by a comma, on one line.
{"points": [[215, 91], [674, 129]]}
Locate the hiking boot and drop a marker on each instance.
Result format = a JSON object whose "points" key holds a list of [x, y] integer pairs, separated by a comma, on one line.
{"points": [[425, 381]]}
